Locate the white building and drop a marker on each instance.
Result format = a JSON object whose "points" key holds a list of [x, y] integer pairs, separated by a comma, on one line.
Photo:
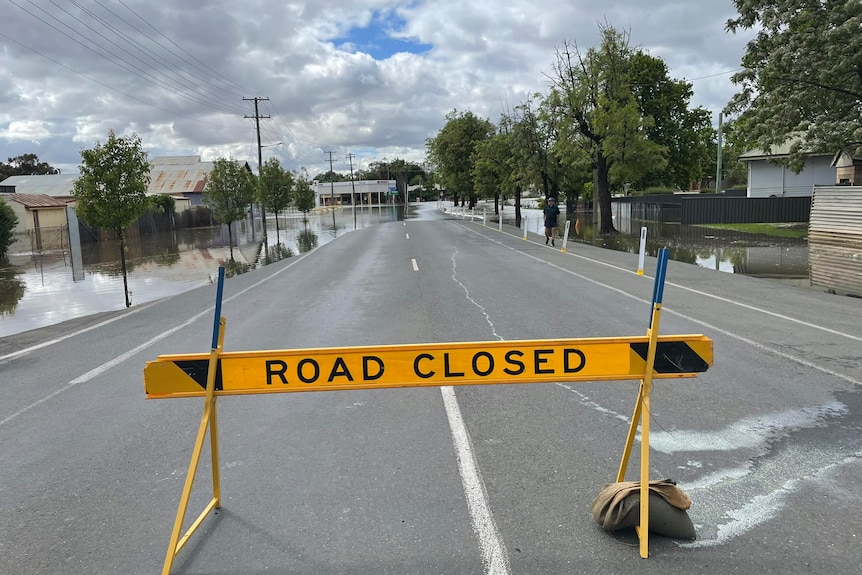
{"points": [[367, 192], [768, 177]]}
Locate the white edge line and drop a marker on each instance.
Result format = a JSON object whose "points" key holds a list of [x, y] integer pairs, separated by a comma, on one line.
{"points": [[415, 265], [692, 290], [134, 351], [665, 309]]}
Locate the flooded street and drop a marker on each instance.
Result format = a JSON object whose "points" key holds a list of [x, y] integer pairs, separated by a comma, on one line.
{"points": [[38, 290], [41, 289]]}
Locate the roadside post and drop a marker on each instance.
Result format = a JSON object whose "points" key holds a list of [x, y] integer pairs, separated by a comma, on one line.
{"points": [[210, 375], [566, 235], [642, 252], [500, 221], [524, 224]]}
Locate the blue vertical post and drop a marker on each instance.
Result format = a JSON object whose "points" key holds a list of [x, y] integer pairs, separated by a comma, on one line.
{"points": [[658, 286], [217, 319]]}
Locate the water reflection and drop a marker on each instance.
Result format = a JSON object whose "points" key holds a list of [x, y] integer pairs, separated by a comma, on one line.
{"points": [[11, 290], [41, 288], [722, 250]]}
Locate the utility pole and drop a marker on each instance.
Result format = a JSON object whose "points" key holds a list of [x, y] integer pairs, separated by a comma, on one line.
{"points": [[350, 157], [718, 159], [331, 181], [257, 118]]}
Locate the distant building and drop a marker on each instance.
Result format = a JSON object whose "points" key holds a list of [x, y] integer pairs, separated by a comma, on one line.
{"points": [[367, 192], [176, 176], [848, 169], [768, 177]]}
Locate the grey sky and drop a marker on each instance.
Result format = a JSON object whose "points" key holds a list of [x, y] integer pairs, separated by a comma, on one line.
{"points": [[372, 77]]}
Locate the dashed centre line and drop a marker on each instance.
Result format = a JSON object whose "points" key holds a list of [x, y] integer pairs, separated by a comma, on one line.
{"points": [[415, 265]]}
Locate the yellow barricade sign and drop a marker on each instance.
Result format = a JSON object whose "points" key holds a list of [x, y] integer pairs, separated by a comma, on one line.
{"points": [[427, 365]]}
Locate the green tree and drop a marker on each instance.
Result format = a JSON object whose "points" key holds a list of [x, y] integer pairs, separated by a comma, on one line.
{"points": [[26, 165], [451, 151], [602, 118], [229, 191], [802, 76], [303, 195], [275, 187], [8, 221], [112, 190], [687, 134]]}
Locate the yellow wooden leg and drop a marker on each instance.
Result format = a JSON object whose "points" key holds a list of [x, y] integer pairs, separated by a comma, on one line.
{"points": [[630, 439], [176, 543]]}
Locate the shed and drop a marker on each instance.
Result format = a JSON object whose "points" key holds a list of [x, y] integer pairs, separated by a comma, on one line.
{"points": [[835, 239], [177, 176], [848, 169], [36, 211], [769, 177]]}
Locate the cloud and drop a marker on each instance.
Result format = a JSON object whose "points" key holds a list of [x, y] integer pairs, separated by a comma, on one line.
{"points": [[374, 77]]}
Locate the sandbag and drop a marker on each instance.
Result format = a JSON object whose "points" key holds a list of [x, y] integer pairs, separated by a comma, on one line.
{"points": [[617, 506]]}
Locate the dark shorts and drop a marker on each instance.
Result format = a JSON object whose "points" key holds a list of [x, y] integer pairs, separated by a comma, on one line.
{"points": [[550, 224]]}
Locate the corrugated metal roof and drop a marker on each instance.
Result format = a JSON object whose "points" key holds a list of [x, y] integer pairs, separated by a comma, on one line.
{"points": [[168, 175], [54, 185], [33, 201], [175, 160], [835, 239]]}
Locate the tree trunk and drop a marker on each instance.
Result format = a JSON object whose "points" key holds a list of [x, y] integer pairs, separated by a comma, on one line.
{"points": [[604, 192], [230, 240], [518, 207], [123, 265]]}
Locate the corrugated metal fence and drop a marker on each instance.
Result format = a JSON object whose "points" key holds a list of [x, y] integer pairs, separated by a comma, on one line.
{"points": [[706, 209], [835, 239], [717, 209]]}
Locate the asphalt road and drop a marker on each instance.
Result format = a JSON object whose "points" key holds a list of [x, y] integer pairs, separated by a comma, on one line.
{"points": [[483, 479]]}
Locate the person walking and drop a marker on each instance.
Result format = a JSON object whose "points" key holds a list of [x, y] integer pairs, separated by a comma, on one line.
{"points": [[552, 212]]}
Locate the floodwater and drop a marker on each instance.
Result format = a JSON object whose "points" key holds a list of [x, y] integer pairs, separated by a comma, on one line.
{"points": [[784, 259], [43, 288]]}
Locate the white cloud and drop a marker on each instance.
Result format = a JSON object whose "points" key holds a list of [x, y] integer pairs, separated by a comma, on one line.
{"points": [[177, 73]]}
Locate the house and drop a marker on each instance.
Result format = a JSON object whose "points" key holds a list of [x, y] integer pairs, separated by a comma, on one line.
{"points": [[769, 177], [179, 176], [848, 169], [36, 211]]}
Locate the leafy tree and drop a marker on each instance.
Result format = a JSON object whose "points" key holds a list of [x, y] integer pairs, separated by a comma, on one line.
{"points": [[303, 195], [687, 135], [229, 191], [112, 190], [331, 176], [26, 165], [451, 151], [8, 221], [275, 187], [802, 77], [163, 203], [491, 171], [602, 118]]}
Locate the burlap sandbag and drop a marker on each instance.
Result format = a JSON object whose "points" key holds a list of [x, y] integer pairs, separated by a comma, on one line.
{"points": [[617, 506]]}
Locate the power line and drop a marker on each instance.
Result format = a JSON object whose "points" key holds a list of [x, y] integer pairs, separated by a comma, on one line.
{"points": [[109, 87]]}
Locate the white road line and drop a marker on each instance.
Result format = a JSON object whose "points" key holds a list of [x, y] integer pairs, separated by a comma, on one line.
{"points": [[692, 290], [39, 346], [494, 556], [666, 309], [134, 351], [415, 265], [408, 236]]}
